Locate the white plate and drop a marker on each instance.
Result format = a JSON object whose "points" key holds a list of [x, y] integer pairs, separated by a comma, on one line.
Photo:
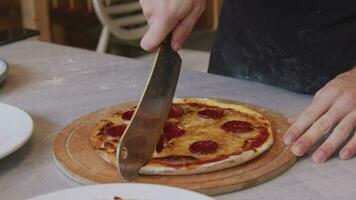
{"points": [[3, 70], [15, 129], [127, 191]]}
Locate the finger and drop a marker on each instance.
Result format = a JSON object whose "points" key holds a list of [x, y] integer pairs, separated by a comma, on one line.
{"points": [[323, 125], [318, 106], [338, 136], [185, 27], [349, 150], [157, 32]]}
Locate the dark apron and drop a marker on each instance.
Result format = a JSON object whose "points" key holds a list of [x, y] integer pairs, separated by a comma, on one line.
{"points": [[298, 45]]}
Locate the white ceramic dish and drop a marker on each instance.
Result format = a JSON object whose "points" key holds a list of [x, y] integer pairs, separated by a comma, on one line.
{"points": [[127, 191], [4, 68], [15, 129]]}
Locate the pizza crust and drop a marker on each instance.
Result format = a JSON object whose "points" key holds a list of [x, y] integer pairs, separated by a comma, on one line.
{"points": [[230, 161], [107, 157]]}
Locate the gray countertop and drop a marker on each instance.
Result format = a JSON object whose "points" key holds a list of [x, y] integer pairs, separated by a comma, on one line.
{"points": [[56, 84]]}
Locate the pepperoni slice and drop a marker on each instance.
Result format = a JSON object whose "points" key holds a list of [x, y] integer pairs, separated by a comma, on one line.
{"points": [[116, 131], [262, 137], [171, 130], [211, 114], [175, 111], [263, 131], [203, 147], [127, 115], [160, 144], [237, 126]]}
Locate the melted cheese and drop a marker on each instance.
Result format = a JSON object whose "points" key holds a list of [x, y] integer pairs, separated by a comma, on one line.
{"points": [[198, 129]]}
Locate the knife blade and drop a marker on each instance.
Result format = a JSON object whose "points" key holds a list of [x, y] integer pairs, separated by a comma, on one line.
{"points": [[139, 141]]}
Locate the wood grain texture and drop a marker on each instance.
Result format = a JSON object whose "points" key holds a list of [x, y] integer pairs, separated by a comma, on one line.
{"points": [[76, 158], [35, 15]]}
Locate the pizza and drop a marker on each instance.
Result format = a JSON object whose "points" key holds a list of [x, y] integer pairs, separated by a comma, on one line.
{"points": [[200, 135]]}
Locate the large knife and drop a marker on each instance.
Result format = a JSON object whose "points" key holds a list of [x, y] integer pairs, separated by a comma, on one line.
{"points": [[139, 141]]}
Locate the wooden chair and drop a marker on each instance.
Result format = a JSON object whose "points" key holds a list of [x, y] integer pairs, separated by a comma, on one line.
{"points": [[123, 19]]}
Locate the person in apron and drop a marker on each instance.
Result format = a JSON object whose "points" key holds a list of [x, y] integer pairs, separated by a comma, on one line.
{"points": [[299, 45]]}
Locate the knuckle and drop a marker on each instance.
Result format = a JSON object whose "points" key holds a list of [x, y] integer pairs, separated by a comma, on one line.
{"points": [[334, 89], [187, 28], [308, 115], [348, 97], [168, 15], [202, 6], [322, 125], [147, 13], [317, 94], [337, 109], [344, 129], [294, 130]]}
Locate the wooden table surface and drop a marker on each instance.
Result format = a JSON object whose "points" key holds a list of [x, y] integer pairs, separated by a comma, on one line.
{"points": [[56, 84]]}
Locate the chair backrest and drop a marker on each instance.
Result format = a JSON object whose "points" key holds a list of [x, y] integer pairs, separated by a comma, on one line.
{"points": [[124, 19]]}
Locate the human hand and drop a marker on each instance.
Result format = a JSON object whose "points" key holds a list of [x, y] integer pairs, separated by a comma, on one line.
{"points": [[166, 16], [333, 106]]}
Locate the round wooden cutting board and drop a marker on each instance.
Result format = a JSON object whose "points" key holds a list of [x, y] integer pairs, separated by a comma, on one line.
{"points": [[74, 155]]}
